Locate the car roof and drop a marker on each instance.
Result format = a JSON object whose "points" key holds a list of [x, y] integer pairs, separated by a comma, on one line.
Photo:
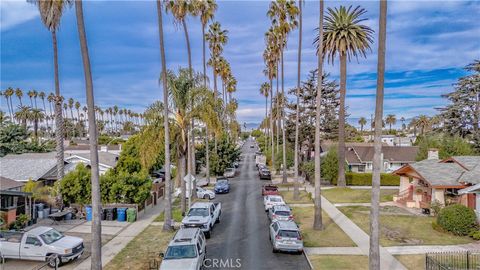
{"points": [[185, 236], [287, 225], [281, 208], [274, 196], [201, 205], [39, 230]]}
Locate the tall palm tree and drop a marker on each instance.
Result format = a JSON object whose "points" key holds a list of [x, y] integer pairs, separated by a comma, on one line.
{"points": [[167, 226], [8, 93], [35, 95], [346, 36], [92, 132], [390, 120], [424, 123], [216, 38], [283, 15], [36, 116], [270, 70], [317, 220], [71, 102], [30, 95], [50, 14], [19, 94], [265, 91], [297, 111], [23, 115], [41, 95], [362, 122], [402, 119], [374, 251]]}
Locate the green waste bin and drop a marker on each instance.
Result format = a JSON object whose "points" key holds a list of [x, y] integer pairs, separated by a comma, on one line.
{"points": [[131, 214]]}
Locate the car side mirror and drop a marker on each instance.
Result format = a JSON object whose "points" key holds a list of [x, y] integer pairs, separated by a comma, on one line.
{"points": [[38, 244], [161, 254]]}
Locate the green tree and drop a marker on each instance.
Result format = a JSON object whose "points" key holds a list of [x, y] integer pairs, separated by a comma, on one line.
{"points": [[346, 36], [329, 167], [75, 186], [390, 120], [362, 122]]}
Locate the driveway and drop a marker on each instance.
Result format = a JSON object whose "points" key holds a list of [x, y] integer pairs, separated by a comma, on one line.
{"points": [[241, 239]]}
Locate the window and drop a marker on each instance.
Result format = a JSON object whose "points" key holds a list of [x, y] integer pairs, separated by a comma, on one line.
{"points": [[275, 226], [288, 234], [51, 236], [180, 252], [31, 240]]}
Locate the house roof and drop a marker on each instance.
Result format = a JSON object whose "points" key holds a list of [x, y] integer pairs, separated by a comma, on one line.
{"points": [[468, 162], [105, 158], [7, 183], [472, 176], [355, 154], [27, 166], [439, 174], [470, 189]]}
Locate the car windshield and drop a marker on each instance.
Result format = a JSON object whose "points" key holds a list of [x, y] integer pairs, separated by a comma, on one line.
{"points": [[222, 183], [282, 213], [289, 234], [180, 252], [275, 199], [51, 236], [203, 212]]}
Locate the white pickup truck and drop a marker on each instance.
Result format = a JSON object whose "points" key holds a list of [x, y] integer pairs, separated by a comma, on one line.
{"points": [[40, 244], [203, 215]]}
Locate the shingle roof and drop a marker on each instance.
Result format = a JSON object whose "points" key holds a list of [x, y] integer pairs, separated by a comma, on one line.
{"points": [[7, 183], [439, 174], [469, 162], [105, 158], [472, 176], [27, 166], [363, 153]]}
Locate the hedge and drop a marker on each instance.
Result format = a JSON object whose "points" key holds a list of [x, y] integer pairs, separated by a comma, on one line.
{"points": [[458, 219], [365, 179]]}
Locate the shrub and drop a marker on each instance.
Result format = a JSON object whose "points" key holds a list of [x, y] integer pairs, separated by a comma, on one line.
{"points": [[365, 179], [457, 219], [475, 234]]}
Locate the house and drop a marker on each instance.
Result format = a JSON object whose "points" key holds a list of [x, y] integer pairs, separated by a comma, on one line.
{"points": [[106, 160], [392, 140], [13, 201], [434, 180], [359, 158]]}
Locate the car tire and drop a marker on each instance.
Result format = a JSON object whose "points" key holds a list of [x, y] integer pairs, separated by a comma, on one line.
{"points": [[54, 262], [208, 234], [274, 250], [218, 219], [211, 197], [206, 197]]}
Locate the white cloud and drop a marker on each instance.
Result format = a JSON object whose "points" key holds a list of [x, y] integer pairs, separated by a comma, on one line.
{"points": [[15, 12]]}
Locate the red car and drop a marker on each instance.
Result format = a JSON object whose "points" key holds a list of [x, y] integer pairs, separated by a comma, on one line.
{"points": [[270, 190]]}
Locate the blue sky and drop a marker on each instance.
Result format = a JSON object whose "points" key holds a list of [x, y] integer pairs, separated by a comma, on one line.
{"points": [[428, 44]]}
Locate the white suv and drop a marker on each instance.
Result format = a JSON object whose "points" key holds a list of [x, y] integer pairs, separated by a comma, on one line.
{"points": [[271, 200], [186, 251]]}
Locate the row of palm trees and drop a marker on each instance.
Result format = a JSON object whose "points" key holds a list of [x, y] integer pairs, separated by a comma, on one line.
{"points": [[341, 33], [422, 122], [113, 118]]}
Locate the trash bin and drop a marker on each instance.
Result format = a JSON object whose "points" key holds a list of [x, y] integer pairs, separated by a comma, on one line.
{"points": [[39, 206], [121, 214], [40, 214], [109, 213], [131, 214], [88, 209], [46, 212], [68, 216]]}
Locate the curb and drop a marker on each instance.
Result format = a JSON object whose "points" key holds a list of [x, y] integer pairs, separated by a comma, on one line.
{"points": [[308, 260]]}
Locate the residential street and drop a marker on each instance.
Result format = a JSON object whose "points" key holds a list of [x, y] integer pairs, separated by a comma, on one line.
{"points": [[243, 230]]}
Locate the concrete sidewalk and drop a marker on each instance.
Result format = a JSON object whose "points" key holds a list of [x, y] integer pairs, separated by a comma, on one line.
{"points": [[114, 246]]}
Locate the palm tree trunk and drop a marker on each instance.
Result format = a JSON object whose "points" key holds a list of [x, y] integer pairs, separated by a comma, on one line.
{"points": [[341, 121], [284, 141], [317, 219], [271, 123], [96, 261], [207, 150], [374, 252], [278, 113], [295, 187], [58, 113], [181, 167], [167, 225]]}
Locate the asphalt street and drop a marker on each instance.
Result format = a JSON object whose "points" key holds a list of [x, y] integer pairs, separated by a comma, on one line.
{"points": [[240, 240]]}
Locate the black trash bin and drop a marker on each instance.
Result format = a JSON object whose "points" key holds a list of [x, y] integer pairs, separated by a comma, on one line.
{"points": [[110, 213]]}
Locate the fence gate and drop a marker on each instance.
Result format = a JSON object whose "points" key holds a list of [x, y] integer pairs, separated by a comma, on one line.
{"points": [[468, 260]]}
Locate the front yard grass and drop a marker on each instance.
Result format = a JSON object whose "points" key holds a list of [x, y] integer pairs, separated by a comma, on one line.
{"points": [[331, 236], [304, 197], [339, 262], [412, 262], [143, 250], [176, 210], [399, 228], [349, 195]]}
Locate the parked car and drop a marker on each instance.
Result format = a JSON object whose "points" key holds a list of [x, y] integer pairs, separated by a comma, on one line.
{"points": [[261, 166], [271, 200], [222, 186], [252, 146], [236, 164], [203, 215], [205, 193], [40, 244], [280, 212], [264, 173], [229, 172], [185, 251], [285, 236], [269, 189]]}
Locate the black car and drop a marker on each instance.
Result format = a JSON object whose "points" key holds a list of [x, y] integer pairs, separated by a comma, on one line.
{"points": [[264, 173]]}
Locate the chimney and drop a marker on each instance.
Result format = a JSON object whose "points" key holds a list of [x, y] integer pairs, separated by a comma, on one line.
{"points": [[432, 153]]}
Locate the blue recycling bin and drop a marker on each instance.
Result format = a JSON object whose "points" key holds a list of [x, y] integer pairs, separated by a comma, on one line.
{"points": [[89, 213], [121, 214]]}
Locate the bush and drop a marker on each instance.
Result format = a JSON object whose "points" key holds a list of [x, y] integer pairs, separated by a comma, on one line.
{"points": [[457, 219], [475, 234], [365, 179]]}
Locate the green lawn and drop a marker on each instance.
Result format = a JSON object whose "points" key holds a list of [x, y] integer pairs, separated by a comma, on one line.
{"points": [[331, 236], [412, 262], [348, 195], [398, 227], [305, 197], [143, 251], [339, 262], [176, 212]]}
